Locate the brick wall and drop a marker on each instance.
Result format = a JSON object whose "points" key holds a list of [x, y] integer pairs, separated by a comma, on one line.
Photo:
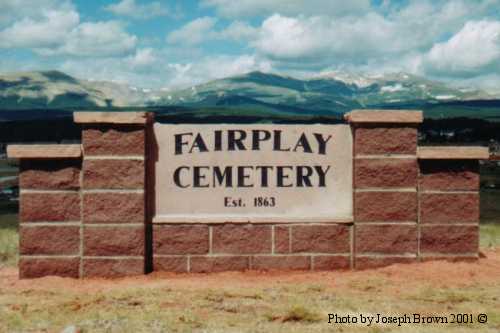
{"points": [[86, 210], [49, 217], [220, 247], [385, 189]]}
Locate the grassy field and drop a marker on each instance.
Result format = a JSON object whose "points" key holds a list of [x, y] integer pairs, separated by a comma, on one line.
{"points": [[252, 302]]}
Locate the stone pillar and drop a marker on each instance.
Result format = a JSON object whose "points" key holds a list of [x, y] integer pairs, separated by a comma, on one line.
{"points": [[113, 193], [449, 202], [385, 186], [50, 219]]}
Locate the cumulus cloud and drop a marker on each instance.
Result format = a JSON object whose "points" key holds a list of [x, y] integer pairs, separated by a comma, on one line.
{"points": [[474, 50], [248, 8], [193, 32], [13, 10], [60, 32], [47, 31], [98, 39], [131, 9]]}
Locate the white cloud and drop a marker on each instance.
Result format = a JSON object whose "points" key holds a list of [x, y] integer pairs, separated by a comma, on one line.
{"points": [[474, 50], [238, 31], [202, 30], [97, 39], [60, 32], [193, 32], [210, 68], [317, 37], [248, 8], [143, 58], [47, 31], [138, 11], [13, 10]]}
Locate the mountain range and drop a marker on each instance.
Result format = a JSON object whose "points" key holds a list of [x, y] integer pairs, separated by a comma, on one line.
{"points": [[325, 94]]}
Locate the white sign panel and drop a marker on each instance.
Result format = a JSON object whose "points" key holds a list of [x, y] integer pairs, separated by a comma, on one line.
{"points": [[253, 173]]}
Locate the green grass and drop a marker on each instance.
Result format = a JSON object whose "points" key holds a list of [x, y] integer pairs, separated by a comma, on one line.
{"points": [[8, 239], [489, 235]]}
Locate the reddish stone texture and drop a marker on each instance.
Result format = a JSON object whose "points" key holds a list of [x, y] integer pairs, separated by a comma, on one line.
{"points": [[47, 240], [375, 262], [112, 268], [389, 239], [386, 139], [219, 264], [50, 174], [49, 207], [385, 206], [113, 241], [281, 262], [30, 268], [113, 208], [113, 174], [321, 238], [326, 263], [170, 264], [113, 140], [455, 258], [180, 239], [452, 239], [449, 207], [241, 239], [282, 239], [449, 175], [385, 172]]}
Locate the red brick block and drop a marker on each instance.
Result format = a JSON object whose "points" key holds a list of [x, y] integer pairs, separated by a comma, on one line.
{"points": [[281, 239], [113, 241], [376, 262], [321, 238], [30, 268], [113, 140], [170, 264], [385, 173], [112, 268], [219, 264], [375, 139], [113, 174], [263, 263], [327, 263], [50, 174], [113, 208], [385, 206], [389, 239], [449, 175], [241, 239], [180, 239], [449, 207], [450, 239], [47, 240], [49, 207]]}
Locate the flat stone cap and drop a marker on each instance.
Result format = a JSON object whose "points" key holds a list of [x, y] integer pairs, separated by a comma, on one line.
{"points": [[132, 118], [44, 151], [453, 153], [384, 116]]}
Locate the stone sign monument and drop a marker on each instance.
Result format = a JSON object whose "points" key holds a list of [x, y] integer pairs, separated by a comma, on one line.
{"points": [[137, 196]]}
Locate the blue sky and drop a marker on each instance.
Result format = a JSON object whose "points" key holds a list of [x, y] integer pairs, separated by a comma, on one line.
{"points": [[171, 44]]}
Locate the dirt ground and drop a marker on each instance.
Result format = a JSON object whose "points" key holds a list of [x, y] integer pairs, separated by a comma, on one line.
{"points": [[257, 301]]}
